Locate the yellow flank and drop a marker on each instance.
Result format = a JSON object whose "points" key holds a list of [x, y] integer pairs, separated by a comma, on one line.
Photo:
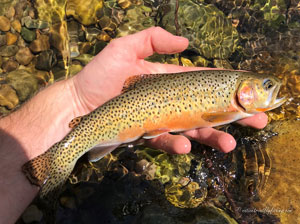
{"points": [[151, 105]]}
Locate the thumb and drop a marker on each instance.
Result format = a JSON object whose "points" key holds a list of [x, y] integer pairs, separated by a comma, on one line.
{"points": [[155, 39]]}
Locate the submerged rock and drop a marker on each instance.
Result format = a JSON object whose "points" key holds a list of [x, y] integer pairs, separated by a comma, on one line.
{"points": [[32, 214], [24, 56], [4, 24], [46, 60], [211, 34], [11, 38], [8, 97], [28, 35], [136, 19], [85, 12], [40, 44], [10, 13], [34, 23], [23, 82], [9, 65], [16, 24], [2, 40], [8, 50]]}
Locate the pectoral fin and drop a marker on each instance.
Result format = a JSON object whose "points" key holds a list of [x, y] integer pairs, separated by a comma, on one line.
{"points": [[155, 133], [220, 117], [98, 152]]}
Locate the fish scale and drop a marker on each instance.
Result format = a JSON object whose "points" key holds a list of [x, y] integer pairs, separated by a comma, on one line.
{"points": [[151, 105]]}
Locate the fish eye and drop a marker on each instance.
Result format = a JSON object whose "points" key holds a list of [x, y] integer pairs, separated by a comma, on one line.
{"points": [[268, 84]]}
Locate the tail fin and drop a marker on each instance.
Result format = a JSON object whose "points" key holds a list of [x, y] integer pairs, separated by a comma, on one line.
{"points": [[37, 170]]}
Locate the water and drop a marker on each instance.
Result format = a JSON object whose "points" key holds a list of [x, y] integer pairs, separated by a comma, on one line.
{"points": [[257, 182]]}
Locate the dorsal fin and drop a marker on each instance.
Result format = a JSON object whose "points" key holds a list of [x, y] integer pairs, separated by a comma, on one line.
{"points": [[75, 121], [135, 80]]}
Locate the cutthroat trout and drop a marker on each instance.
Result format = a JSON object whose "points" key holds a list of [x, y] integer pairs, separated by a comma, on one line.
{"points": [[151, 105]]}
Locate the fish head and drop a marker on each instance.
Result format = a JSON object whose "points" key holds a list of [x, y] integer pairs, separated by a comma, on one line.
{"points": [[259, 94]]}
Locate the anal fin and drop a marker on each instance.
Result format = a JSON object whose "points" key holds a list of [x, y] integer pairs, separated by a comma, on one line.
{"points": [[98, 152]]}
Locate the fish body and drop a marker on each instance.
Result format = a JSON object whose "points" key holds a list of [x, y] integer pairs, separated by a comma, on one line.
{"points": [[152, 105]]}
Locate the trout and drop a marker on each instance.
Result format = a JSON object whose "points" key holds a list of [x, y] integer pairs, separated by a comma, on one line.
{"points": [[149, 106]]}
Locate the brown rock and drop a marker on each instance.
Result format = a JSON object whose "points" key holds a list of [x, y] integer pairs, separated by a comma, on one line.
{"points": [[19, 8], [42, 76], [10, 65], [8, 96], [24, 56], [8, 50], [10, 13], [40, 44], [31, 13], [32, 214], [2, 40], [24, 82], [68, 202], [16, 25], [21, 43], [4, 24], [11, 38]]}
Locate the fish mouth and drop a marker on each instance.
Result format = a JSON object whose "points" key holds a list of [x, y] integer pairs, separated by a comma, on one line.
{"points": [[277, 102]]}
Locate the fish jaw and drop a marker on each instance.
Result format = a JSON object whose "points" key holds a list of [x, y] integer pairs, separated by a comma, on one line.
{"points": [[273, 102]]}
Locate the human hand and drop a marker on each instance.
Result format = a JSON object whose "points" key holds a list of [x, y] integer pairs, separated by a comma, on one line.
{"points": [[103, 78]]}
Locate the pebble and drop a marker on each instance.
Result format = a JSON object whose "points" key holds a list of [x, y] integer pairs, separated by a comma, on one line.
{"points": [[19, 8], [40, 44], [85, 11], [21, 43], [9, 65], [103, 36], [28, 35], [124, 4], [11, 38], [91, 33], [32, 214], [68, 202], [43, 77], [34, 23], [2, 40], [24, 56], [8, 50], [4, 24], [16, 25], [46, 60], [10, 13], [8, 96]]}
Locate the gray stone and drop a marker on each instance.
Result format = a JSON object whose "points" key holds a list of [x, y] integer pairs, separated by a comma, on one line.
{"points": [[34, 23]]}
